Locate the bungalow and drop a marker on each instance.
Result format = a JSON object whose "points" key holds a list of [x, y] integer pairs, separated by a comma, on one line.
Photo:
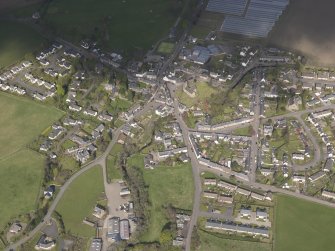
{"points": [[227, 186], [298, 178], [261, 215], [257, 196], [225, 199], [210, 182], [48, 193], [149, 161], [245, 212], [243, 191], [99, 212], [210, 195]]}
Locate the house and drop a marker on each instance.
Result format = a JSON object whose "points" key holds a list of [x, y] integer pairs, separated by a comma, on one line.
{"points": [[245, 212], [225, 199], [211, 195], [149, 161], [124, 229], [298, 156], [46, 146], [257, 196], [45, 243], [75, 108], [243, 191], [310, 74], [329, 195], [15, 228], [105, 117], [298, 178], [227, 186], [210, 182], [99, 212], [328, 166], [261, 215], [267, 130], [90, 112], [184, 158], [315, 177], [122, 138], [48, 193]]}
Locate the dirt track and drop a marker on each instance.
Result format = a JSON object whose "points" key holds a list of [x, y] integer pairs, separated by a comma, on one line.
{"points": [[308, 26]]}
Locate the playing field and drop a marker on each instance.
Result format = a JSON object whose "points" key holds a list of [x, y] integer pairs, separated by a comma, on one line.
{"points": [[125, 25], [167, 185], [215, 243], [303, 226], [20, 181], [16, 40], [165, 48], [22, 120], [79, 200]]}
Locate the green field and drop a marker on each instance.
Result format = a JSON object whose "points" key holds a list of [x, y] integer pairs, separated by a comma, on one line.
{"points": [[214, 243], [113, 170], [20, 180], [21, 170], [165, 48], [167, 185], [303, 226], [128, 25], [17, 40], [204, 91], [22, 121], [79, 200]]}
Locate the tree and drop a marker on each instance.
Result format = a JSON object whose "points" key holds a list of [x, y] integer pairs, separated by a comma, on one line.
{"points": [[165, 237]]}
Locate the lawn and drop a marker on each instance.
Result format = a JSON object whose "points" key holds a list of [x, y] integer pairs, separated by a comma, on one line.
{"points": [[204, 91], [17, 40], [303, 226], [79, 200], [118, 25], [20, 180], [166, 185], [215, 243], [22, 120], [165, 48]]}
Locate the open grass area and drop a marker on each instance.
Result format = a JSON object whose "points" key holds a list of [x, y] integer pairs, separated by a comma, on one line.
{"points": [[303, 226], [204, 91], [20, 180], [117, 25], [165, 48], [113, 169], [22, 120], [79, 200], [17, 40], [166, 185], [215, 243]]}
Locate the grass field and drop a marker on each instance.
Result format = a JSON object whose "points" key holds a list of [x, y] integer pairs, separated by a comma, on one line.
{"points": [[20, 181], [215, 243], [21, 170], [127, 25], [165, 48], [204, 91], [22, 121], [303, 226], [113, 170], [79, 200], [167, 185], [17, 40]]}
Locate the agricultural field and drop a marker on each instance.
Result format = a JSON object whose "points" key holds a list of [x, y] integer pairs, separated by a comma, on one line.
{"points": [[16, 41], [20, 180], [117, 25], [21, 170], [6, 5], [22, 121], [167, 185], [306, 221], [215, 243], [79, 200]]}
